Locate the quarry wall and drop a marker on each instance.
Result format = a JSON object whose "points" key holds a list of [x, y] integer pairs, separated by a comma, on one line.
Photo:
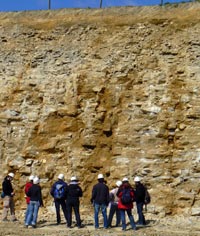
{"points": [[112, 91]]}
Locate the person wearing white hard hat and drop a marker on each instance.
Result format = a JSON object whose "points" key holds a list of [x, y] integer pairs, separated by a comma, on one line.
{"points": [[137, 179], [58, 192], [8, 198], [100, 201], [125, 179], [26, 188], [35, 194], [114, 205], [125, 203], [11, 175], [140, 192], [74, 192]]}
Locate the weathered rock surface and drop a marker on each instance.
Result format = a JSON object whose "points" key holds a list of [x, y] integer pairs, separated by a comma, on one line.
{"points": [[114, 91]]}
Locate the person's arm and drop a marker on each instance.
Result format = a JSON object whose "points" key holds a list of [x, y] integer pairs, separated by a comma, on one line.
{"points": [[132, 195], [4, 187], [108, 196], [93, 195], [29, 192], [40, 197], [26, 189], [52, 190], [66, 190], [118, 192], [80, 192]]}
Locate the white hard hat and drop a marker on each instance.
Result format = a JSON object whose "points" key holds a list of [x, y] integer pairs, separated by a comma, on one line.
{"points": [[60, 176], [119, 183], [125, 179], [100, 176], [73, 178], [137, 179], [31, 177], [36, 180], [11, 175]]}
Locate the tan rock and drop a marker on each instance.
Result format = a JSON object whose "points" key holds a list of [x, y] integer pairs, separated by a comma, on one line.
{"points": [[112, 91]]}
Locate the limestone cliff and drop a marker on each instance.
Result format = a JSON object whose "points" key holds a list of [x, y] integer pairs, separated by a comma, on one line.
{"points": [[112, 91]]}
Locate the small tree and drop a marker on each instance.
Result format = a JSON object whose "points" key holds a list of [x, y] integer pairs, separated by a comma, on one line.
{"points": [[161, 3]]}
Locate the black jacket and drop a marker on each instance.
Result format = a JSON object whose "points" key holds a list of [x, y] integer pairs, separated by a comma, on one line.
{"points": [[100, 194], [140, 193], [35, 193], [7, 187], [74, 192]]}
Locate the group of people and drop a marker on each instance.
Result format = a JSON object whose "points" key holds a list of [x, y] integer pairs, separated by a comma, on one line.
{"points": [[66, 197], [121, 200]]}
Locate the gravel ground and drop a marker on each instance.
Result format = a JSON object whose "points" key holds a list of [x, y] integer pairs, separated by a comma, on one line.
{"points": [[168, 226]]}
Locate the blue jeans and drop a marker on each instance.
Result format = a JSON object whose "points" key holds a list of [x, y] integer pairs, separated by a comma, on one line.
{"points": [[97, 208], [33, 213], [130, 216], [141, 219], [27, 213]]}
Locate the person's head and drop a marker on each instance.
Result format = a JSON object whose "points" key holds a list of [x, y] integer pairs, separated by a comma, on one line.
{"points": [[137, 180], [31, 177], [11, 176], [118, 183], [125, 180], [74, 179], [61, 176], [125, 183], [36, 180], [100, 178]]}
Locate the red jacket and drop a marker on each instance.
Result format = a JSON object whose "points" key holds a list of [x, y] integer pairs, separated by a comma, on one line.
{"points": [[119, 194], [27, 187]]}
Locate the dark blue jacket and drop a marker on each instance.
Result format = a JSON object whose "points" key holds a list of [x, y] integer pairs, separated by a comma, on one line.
{"points": [[74, 192], [140, 193], [35, 194], [100, 194]]}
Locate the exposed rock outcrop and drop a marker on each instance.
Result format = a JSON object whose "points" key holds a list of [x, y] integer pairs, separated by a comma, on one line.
{"points": [[114, 91]]}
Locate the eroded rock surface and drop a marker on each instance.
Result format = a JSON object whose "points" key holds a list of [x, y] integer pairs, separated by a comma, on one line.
{"points": [[114, 91]]}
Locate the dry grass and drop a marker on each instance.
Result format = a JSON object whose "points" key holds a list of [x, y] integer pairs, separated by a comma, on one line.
{"points": [[47, 20]]}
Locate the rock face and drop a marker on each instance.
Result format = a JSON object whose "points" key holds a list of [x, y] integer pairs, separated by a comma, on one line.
{"points": [[112, 91]]}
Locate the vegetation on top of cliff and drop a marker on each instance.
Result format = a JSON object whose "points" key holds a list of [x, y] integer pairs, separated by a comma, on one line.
{"points": [[183, 14]]}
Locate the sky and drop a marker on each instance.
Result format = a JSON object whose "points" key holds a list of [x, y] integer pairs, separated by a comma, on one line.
{"points": [[26, 5]]}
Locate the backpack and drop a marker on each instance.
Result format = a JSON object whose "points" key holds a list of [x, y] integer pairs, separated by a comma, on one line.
{"points": [[111, 197], [126, 196], [147, 198], [3, 195], [59, 191]]}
